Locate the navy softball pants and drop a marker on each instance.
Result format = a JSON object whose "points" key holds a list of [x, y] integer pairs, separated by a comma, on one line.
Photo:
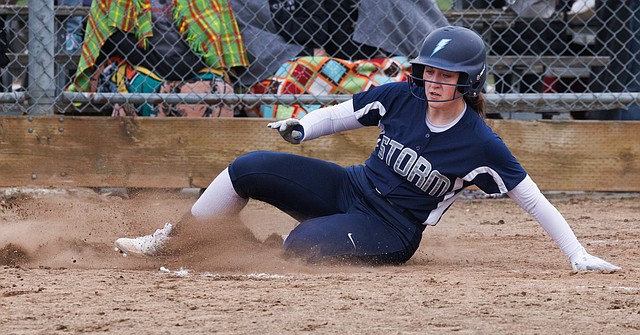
{"points": [[342, 216]]}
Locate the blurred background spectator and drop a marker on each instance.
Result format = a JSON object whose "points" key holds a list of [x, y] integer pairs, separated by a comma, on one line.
{"points": [[276, 31], [536, 46], [74, 32], [129, 48]]}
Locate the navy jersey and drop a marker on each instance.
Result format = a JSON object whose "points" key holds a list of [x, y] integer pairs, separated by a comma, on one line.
{"points": [[424, 172]]}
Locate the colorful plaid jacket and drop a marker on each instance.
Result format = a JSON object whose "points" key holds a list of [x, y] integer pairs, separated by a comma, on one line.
{"points": [[208, 26]]}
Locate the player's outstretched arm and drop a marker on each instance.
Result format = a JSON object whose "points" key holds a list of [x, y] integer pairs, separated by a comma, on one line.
{"points": [[320, 122], [528, 196]]}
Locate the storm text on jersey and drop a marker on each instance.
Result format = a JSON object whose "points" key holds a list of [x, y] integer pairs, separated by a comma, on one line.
{"points": [[412, 167]]}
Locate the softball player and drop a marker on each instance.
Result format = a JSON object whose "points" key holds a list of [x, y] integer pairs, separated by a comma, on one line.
{"points": [[433, 143]]}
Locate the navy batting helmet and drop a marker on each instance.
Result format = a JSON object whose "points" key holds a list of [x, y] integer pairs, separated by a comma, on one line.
{"points": [[455, 49]]}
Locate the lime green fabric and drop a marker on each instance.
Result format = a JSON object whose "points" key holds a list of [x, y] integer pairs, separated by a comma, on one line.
{"points": [[208, 26]]}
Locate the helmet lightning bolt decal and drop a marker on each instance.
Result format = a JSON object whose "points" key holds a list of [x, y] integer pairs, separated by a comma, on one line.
{"points": [[443, 42]]}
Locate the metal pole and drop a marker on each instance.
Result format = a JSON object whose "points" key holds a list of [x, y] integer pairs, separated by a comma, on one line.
{"points": [[40, 66], [530, 102]]}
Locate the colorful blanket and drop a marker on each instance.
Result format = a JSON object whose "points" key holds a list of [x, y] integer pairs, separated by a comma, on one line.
{"points": [[208, 26], [322, 76]]}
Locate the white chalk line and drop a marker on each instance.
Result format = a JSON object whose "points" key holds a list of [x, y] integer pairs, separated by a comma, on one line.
{"points": [[185, 273]]}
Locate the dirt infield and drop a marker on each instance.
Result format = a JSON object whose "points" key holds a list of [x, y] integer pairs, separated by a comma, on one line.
{"points": [[487, 268]]}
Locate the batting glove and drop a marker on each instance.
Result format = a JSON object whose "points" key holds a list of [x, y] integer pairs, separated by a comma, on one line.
{"points": [[584, 261], [290, 129]]}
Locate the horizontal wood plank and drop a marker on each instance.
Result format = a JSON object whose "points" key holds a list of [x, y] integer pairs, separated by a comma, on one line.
{"points": [[179, 152]]}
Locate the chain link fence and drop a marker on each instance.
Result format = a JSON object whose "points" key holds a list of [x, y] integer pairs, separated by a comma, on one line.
{"points": [[561, 59]]}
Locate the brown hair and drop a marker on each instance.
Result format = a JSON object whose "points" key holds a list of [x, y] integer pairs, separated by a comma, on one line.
{"points": [[478, 103]]}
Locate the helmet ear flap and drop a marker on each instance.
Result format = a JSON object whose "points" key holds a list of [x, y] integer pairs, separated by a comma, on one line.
{"points": [[466, 86], [475, 88], [417, 70], [463, 80]]}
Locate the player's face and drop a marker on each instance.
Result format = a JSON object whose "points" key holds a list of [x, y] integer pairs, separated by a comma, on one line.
{"points": [[440, 85]]}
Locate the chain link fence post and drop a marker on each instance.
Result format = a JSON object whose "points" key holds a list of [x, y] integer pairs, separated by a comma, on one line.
{"points": [[41, 78]]}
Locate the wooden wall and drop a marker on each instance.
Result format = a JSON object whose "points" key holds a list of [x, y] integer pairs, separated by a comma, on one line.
{"points": [[63, 151]]}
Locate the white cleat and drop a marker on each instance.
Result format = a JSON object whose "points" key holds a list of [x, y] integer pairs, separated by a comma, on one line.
{"points": [[148, 245]]}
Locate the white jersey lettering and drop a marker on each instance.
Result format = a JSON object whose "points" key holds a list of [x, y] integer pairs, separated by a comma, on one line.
{"points": [[406, 152], [414, 168], [382, 147], [421, 169], [438, 182], [393, 146]]}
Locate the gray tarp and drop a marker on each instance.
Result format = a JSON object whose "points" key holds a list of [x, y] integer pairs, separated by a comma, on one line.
{"points": [[397, 27]]}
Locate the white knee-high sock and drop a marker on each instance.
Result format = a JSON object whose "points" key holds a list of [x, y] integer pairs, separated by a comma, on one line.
{"points": [[219, 199]]}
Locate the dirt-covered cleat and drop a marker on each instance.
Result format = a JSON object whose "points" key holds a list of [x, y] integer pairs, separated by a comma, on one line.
{"points": [[148, 245]]}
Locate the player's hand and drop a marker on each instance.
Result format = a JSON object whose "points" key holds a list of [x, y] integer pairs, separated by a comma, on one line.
{"points": [[584, 261], [290, 129]]}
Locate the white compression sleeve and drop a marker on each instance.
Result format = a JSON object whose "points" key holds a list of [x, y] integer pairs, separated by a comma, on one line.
{"points": [[330, 120], [219, 199], [528, 196]]}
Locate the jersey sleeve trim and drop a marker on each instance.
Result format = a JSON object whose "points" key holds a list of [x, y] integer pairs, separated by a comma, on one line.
{"points": [[449, 198], [485, 169]]}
